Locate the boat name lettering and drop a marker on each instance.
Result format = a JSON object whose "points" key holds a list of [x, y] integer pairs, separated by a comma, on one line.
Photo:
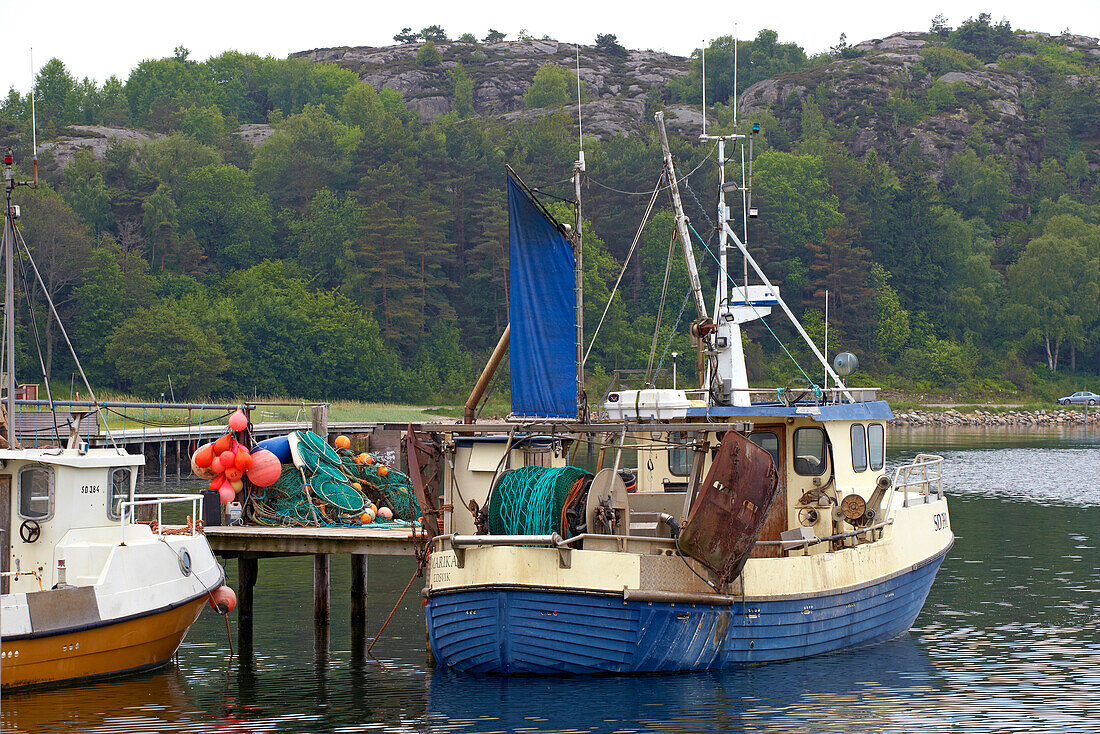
{"points": [[444, 561], [811, 410], [939, 520], [90, 489]]}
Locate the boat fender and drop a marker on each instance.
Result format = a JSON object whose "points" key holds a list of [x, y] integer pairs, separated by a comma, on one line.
{"points": [[223, 600]]}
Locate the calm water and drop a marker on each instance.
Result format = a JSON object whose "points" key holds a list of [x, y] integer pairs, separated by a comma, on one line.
{"points": [[1008, 641]]}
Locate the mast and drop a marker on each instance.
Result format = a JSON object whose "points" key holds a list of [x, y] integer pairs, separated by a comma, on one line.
{"points": [[681, 220], [9, 294], [578, 251]]}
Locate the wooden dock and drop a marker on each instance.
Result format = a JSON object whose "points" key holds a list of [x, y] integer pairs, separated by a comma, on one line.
{"points": [[249, 543]]}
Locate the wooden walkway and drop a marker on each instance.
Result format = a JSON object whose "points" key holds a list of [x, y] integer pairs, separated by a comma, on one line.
{"points": [[261, 542]]}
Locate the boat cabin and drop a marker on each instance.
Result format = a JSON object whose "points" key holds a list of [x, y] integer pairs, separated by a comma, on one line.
{"points": [[61, 509]]}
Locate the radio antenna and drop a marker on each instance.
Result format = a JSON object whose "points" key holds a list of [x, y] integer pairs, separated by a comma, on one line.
{"points": [[34, 127], [735, 77], [580, 128], [703, 54]]}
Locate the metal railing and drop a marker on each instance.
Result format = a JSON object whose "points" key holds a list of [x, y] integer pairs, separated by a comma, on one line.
{"points": [[924, 472], [158, 501]]}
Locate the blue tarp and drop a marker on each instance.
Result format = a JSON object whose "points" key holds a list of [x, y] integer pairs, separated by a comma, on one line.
{"points": [[542, 348]]}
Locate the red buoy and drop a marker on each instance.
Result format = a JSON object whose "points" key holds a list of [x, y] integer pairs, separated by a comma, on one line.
{"points": [[223, 600]]}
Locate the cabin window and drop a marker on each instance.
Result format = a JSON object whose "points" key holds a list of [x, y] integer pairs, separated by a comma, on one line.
{"points": [[767, 441], [809, 452], [119, 481], [679, 454], [859, 447], [876, 443], [36, 493]]}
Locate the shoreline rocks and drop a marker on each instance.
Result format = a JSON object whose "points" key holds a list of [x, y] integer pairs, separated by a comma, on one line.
{"points": [[986, 418]]}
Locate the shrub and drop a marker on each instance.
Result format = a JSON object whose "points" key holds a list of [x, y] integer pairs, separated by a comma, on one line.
{"points": [[428, 55]]}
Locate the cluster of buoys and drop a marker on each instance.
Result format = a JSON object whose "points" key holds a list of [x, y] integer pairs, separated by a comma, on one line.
{"points": [[225, 462], [372, 511]]}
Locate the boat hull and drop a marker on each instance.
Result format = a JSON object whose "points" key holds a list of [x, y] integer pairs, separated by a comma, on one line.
{"points": [[531, 631], [130, 645]]}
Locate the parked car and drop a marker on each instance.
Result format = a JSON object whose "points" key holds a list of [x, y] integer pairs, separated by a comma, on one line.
{"points": [[1084, 397]]}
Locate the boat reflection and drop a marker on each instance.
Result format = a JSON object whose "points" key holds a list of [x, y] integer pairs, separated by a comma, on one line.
{"points": [[158, 701], [868, 689]]}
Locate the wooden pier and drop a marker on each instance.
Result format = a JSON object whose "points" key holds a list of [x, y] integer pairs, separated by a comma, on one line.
{"points": [[248, 544]]}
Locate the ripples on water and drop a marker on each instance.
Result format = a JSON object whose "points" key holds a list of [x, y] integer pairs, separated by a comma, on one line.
{"points": [[1006, 642]]}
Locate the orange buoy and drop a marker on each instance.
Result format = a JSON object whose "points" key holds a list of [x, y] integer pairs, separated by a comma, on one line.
{"points": [[385, 513], [227, 458], [383, 471], [367, 517], [368, 460], [265, 469], [238, 421], [226, 493], [243, 459], [204, 456], [217, 482], [343, 442], [216, 466], [223, 444], [223, 600], [233, 473], [357, 485]]}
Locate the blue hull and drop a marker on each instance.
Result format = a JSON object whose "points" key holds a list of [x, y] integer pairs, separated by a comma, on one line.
{"points": [[528, 631]]}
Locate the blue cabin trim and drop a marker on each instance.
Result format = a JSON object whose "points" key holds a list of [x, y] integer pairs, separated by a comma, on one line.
{"points": [[869, 411]]}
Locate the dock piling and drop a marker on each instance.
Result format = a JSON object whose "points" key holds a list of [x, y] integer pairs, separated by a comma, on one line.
{"points": [[321, 590], [247, 569], [358, 590]]}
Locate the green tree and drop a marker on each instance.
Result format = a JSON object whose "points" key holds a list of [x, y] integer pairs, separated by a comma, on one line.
{"points": [[326, 236], [891, 330], [978, 186], [462, 88], [553, 85], [156, 342], [231, 219], [307, 152], [204, 124], [87, 193], [494, 36], [608, 43], [406, 35], [428, 55], [434, 34], [795, 192], [55, 95]]}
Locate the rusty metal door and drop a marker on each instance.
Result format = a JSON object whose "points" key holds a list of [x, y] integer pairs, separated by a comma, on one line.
{"points": [[730, 507]]}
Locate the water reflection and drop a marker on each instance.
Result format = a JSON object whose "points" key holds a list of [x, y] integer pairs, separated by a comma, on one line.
{"points": [[869, 687]]}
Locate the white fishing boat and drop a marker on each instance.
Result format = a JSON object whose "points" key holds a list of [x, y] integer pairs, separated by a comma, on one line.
{"points": [[87, 589], [751, 525]]}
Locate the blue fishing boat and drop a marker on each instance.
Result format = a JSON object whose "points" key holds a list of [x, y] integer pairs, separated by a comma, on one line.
{"points": [[722, 525]]}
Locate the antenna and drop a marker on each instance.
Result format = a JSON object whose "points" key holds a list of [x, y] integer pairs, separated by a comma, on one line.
{"points": [[735, 79], [34, 128], [580, 127], [703, 52]]}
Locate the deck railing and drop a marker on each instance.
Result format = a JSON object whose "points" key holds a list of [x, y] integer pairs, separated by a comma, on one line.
{"points": [[159, 501], [924, 472]]}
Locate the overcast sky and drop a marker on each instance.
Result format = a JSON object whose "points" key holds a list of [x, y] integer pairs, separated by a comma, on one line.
{"points": [[111, 36]]}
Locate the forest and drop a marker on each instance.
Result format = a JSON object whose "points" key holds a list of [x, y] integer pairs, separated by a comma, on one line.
{"points": [[360, 253]]}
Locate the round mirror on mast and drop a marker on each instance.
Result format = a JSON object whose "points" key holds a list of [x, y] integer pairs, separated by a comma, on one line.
{"points": [[845, 363]]}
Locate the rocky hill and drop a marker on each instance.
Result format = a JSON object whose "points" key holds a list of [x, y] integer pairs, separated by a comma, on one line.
{"points": [[868, 95], [502, 72]]}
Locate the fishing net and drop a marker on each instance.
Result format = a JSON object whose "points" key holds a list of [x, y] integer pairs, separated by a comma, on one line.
{"points": [[323, 491], [529, 500]]}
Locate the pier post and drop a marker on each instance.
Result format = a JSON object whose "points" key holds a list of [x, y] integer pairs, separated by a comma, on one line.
{"points": [[358, 590], [163, 460], [320, 590], [247, 570], [320, 420]]}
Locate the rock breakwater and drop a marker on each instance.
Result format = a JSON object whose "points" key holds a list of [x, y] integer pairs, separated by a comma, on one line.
{"points": [[953, 417]]}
